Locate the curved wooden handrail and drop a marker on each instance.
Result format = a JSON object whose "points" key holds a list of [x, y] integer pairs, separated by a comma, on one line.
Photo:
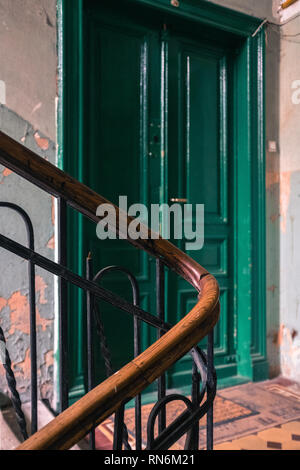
{"points": [[75, 422], [39, 171]]}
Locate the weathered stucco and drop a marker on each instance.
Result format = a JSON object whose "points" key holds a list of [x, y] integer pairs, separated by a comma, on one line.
{"points": [[268, 9], [28, 60], [257, 8], [282, 180], [273, 218], [290, 198], [14, 307]]}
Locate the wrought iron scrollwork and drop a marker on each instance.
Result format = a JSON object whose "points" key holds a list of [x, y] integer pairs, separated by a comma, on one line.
{"points": [[203, 372], [188, 421], [71, 193], [120, 429], [12, 385], [203, 379]]}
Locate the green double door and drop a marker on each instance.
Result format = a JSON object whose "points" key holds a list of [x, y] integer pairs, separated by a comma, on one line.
{"points": [[158, 126]]}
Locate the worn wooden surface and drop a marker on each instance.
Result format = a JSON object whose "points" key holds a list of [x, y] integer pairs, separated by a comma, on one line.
{"points": [[37, 170], [75, 422]]}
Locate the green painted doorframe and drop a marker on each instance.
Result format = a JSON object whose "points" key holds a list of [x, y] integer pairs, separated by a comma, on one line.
{"points": [[249, 157]]}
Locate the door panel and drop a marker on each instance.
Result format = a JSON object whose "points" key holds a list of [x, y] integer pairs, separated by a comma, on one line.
{"points": [[116, 127], [119, 102], [159, 125], [198, 137]]}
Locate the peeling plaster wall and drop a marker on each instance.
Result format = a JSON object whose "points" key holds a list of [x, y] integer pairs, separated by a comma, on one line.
{"points": [[289, 333], [259, 8], [14, 307], [28, 61], [273, 198], [282, 181]]}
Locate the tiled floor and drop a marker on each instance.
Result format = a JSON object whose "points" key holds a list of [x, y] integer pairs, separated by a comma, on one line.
{"points": [[275, 423], [282, 437], [253, 416]]}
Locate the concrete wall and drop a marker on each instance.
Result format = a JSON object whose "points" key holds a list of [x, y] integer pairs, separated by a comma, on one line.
{"points": [[27, 113]]}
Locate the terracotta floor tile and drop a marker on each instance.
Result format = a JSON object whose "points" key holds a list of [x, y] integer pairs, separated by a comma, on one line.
{"points": [[293, 427], [291, 445], [251, 443], [246, 409], [275, 435], [270, 439], [227, 446]]}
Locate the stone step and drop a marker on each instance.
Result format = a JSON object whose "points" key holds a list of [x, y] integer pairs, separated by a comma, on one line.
{"points": [[10, 436]]}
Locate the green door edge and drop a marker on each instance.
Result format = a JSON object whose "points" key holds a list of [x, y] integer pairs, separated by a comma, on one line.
{"points": [[251, 143]]}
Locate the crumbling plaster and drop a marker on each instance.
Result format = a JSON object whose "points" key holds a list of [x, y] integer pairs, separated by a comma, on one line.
{"points": [[28, 61], [282, 180], [14, 307], [258, 8], [290, 197]]}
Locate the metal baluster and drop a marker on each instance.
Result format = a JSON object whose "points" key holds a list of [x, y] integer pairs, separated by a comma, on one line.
{"points": [[210, 367], [119, 428], [63, 309], [119, 416], [33, 353], [11, 382], [90, 349], [160, 308], [196, 402], [137, 352]]}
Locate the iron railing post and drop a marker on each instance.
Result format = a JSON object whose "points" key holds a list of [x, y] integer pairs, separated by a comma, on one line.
{"points": [[90, 328], [160, 308], [63, 308], [210, 413]]}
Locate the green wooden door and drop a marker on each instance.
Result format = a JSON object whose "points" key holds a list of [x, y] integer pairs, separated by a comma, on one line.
{"points": [[123, 90], [199, 164], [161, 114]]}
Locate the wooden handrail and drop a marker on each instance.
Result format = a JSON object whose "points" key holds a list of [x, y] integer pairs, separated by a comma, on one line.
{"points": [[75, 422], [40, 172]]}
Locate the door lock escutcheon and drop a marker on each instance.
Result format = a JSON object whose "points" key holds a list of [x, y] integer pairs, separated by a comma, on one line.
{"points": [[154, 138]]}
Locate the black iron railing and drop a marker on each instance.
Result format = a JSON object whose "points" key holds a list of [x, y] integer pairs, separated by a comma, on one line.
{"points": [[203, 383], [32, 320], [203, 376]]}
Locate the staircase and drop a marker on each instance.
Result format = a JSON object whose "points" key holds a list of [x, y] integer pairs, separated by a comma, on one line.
{"points": [[10, 436], [174, 341]]}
